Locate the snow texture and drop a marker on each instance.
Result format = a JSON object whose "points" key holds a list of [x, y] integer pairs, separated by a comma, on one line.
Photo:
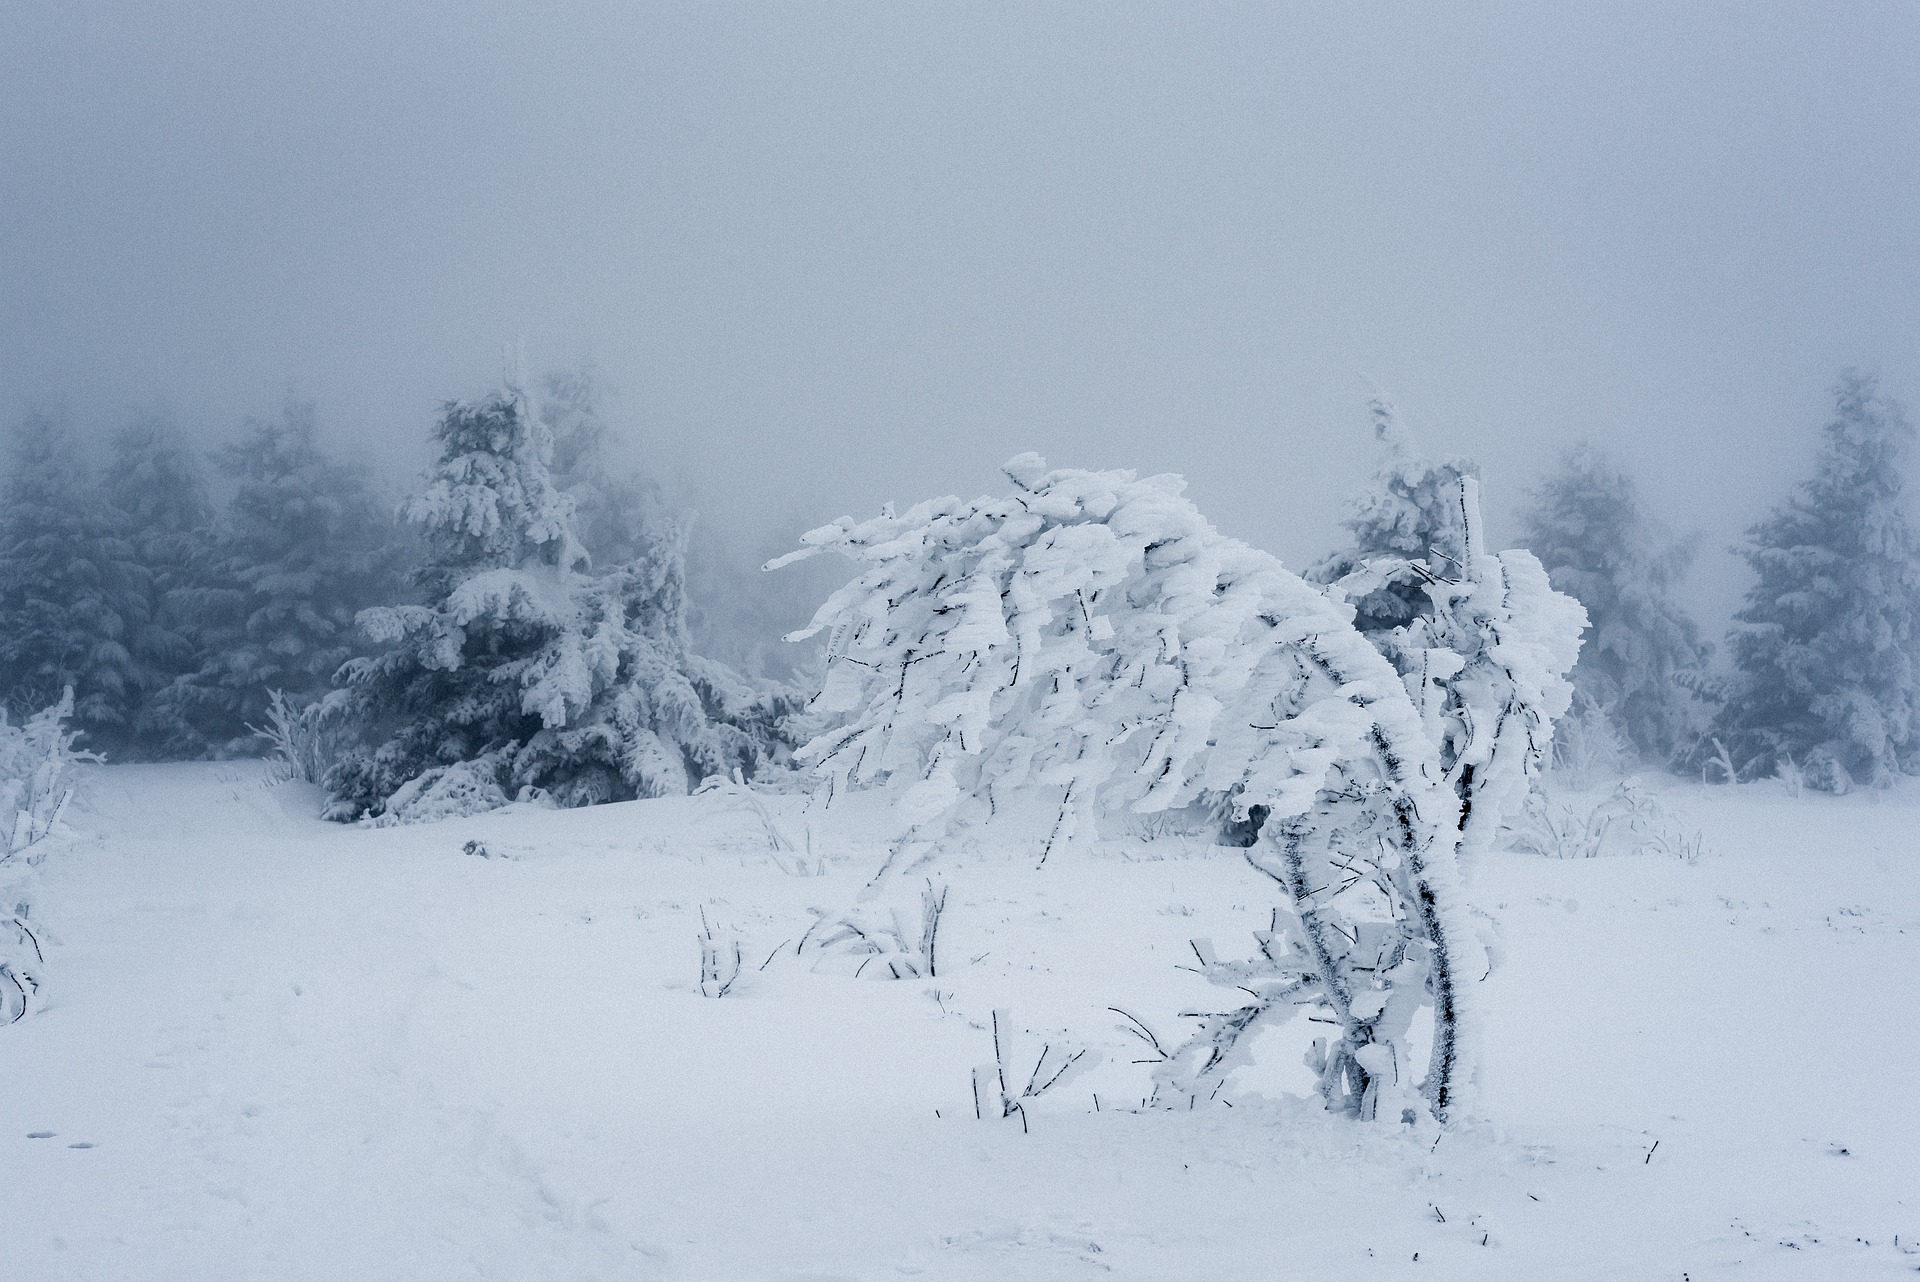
{"points": [[282, 1049]]}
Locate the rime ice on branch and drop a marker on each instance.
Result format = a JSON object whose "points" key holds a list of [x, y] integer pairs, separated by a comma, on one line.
{"points": [[1480, 638], [1092, 637]]}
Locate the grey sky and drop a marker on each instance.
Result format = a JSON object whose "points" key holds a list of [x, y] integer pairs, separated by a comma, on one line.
{"points": [[835, 254]]}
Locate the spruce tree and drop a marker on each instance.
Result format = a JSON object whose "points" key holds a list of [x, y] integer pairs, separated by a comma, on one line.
{"points": [[1643, 653], [306, 543], [158, 492], [1827, 645], [522, 674], [73, 594]]}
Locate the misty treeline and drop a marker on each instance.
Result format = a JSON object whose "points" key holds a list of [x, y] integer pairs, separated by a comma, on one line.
{"points": [[522, 624], [192, 599]]}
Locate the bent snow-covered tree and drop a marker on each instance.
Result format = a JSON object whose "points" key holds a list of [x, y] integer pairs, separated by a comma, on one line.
{"points": [[1481, 639], [1091, 638], [524, 674]]}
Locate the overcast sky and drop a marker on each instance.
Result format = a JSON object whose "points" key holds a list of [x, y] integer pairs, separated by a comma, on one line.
{"points": [[832, 255]]}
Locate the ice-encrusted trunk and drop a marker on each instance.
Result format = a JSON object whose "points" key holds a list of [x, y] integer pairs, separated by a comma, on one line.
{"points": [[1369, 930]]}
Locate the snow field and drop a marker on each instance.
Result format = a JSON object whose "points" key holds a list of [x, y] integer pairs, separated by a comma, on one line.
{"points": [[305, 1051]]}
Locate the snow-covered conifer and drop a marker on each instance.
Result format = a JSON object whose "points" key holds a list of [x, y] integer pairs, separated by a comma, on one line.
{"points": [[158, 492], [305, 544], [1827, 645], [73, 594], [521, 673], [1091, 639], [616, 514], [1643, 654]]}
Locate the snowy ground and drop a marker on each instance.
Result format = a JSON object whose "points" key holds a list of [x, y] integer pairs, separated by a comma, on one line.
{"points": [[280, 1049]]}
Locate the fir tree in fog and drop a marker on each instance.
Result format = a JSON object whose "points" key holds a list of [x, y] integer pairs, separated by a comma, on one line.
{"points": [[525, 673], [307, 542], [1827, 645], [1643, 654], [735, 614], [75, 602], [616, 513], [157, 489]]}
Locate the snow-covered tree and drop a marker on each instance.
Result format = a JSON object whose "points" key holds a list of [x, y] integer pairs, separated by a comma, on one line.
{"points": [[158, 492], [1091, 640], [1481, 639], [305, 544], [1827, 645], [522, 673], [1408, 516], [73, 594], [616, 514], [1643, 654]]}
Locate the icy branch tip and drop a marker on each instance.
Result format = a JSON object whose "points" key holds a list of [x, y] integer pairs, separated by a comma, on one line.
{"points": [[1026, 470]]}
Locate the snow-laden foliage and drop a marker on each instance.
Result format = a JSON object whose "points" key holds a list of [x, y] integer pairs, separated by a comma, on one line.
{"points": [[304, 739], [1827, 645], [305, 544], [1643, 654], [1408, 516], [1092, 639], [74, 598], [1484, 642], [34, 758], [34, 792], [523, 674]]}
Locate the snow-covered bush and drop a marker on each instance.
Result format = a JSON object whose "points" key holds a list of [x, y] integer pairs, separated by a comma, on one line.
{"points": [[524, 673], [1627, 820], [33, 794], [1827, 645], [1587, 745], [33, 762], [1090, 638], [875, 943], [720, 959], [1481, 638], [999, 1092], [306, 740]]}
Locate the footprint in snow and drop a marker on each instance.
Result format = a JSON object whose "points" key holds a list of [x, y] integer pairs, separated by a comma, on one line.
{"points": [[82, 1144], [39, 1135]]}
